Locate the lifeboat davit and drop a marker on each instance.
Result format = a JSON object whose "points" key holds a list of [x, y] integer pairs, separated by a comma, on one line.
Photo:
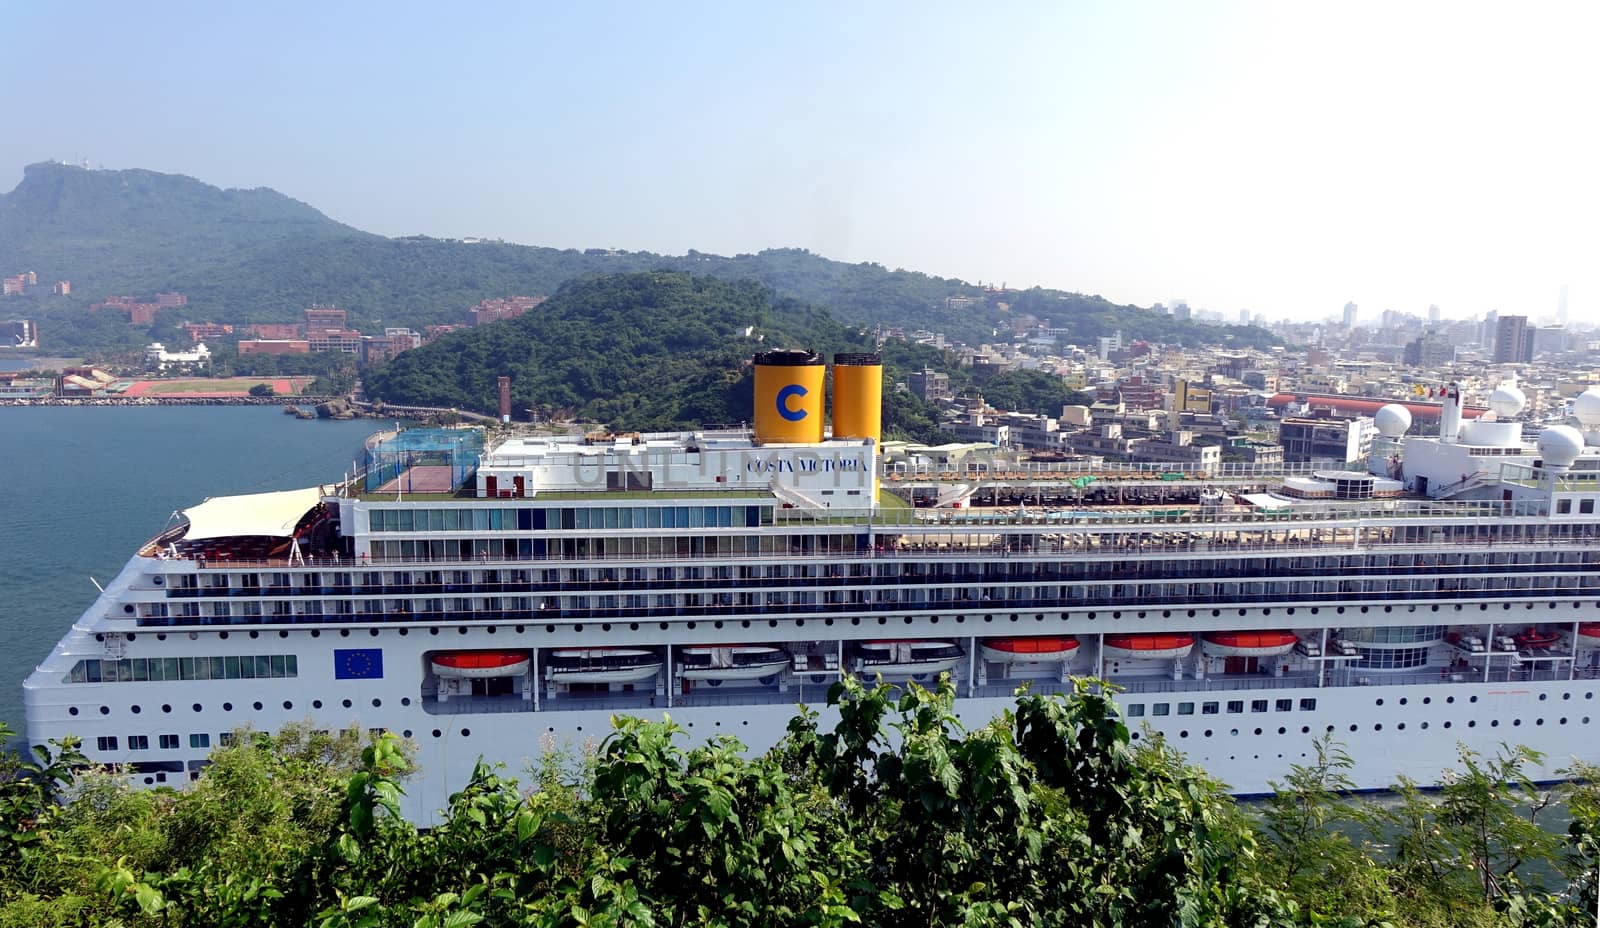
{"points": [[1249, 644], [1029, 650], [732, 661], [906, 658], [479, 664], [602, 665], [1531, 639], [1155, 645]]}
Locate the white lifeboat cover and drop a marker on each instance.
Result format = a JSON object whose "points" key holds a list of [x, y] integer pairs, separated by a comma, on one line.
{"points": [[270, 514]]}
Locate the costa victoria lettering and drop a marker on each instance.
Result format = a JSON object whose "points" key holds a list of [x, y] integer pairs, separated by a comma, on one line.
{"points": [[784, 395], [805, 465]]}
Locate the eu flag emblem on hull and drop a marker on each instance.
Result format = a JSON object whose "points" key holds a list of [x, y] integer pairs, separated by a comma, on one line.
{"points": [[358, 664]]}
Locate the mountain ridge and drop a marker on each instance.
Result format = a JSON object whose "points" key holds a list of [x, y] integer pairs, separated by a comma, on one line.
{"points": [[247, 255]]}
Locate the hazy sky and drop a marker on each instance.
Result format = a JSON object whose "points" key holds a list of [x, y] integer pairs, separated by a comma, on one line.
{"points": [[1280, 157]]}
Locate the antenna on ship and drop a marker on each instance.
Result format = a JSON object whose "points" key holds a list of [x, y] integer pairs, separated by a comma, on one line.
{"points": [[96, 583]]}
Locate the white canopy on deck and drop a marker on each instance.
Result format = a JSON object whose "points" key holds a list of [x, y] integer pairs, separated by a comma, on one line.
{"points": [[270, 514]]}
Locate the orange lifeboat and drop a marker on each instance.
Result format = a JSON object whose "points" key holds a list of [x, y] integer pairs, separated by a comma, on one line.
{"points": [[479, 664], [1151, 646], [1589, 635], [1029, 650], [1531, 639], [1249, 644]]}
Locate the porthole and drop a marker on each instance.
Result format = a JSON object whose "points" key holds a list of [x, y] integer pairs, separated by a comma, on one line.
{"points": [[1424, 726], [1403, 700], [166, 707], [1562, 720], [346, 703], [227, 707], [1472, 723], [1400, 726], [316, 704], [283, 634], [343, 633], [1566, 696], [287, 704], [377, 703], [1472, 699], [406, 733], [257, 706], [1208, 733], [1378, 727], [1543, 696], [1282, 730], [1427, 700], [255, 634], [1494, 723], [405, 700], [72, 710], [1355, 727], [1516, 723], [1448, 724], [466, 732], [134, 709], [1449, 700], [1380, 702], [1538, 721], [406, 631], [1184, 733], [196, 707], [437, 732]]}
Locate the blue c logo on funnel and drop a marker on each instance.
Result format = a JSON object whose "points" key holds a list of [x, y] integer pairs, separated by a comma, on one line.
{"points": [[784, 395]]}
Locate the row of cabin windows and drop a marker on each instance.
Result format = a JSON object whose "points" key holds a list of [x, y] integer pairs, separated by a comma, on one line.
{"points": [[158, 669], [588, 517], [1137, 710], [198, 740], [1564, 506]]}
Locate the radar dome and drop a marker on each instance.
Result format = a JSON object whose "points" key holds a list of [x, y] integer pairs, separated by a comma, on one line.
{"points": [[1587, 408], [1507, 401], [1560, 445], [1393, 420]]}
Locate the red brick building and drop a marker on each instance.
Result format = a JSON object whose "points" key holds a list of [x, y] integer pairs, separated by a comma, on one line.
{"points": [[275, 331], [273, 346]]}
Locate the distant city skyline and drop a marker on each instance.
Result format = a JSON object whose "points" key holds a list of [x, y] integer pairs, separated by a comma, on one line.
{"points": [[1267, 159]]}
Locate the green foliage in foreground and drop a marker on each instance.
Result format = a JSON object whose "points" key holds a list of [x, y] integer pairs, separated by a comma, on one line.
{"points": [[1050, 815]]}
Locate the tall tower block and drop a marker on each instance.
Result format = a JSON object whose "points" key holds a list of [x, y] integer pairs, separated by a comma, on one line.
{"points": [[858, 396], [789, 392]]}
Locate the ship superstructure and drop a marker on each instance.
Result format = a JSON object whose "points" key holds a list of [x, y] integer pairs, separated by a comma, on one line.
{"points": [[497, 600]]}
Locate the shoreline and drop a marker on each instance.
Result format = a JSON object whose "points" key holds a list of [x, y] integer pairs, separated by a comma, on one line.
{"points": [[177, 400], [360, 410]]}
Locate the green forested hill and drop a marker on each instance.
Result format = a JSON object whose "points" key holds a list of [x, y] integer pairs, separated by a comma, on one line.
{"points": [[259, 256], [651, 350]]}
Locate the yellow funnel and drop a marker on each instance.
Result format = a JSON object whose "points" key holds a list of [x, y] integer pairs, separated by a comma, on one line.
{"points": [[789, 391], [858, 396]]}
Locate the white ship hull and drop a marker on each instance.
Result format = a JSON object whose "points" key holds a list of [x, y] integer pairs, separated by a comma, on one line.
{"points": [[603, 590]]}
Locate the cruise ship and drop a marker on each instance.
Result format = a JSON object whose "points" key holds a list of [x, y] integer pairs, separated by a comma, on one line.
{"points": [[501, 595]]}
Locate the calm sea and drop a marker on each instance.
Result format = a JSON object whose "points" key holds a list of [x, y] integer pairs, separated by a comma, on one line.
{"points": [[82, 488]]}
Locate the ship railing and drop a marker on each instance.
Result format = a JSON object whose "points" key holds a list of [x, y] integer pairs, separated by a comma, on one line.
{"points": [[1377, 575], [937, 549], [1024, 515], [1352, 601]]}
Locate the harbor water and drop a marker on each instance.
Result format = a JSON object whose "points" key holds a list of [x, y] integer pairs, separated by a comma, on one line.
{"points": [[85, 486]]}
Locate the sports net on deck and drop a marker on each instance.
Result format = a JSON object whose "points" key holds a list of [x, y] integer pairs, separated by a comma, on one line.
{"points": [[424, 461]]}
